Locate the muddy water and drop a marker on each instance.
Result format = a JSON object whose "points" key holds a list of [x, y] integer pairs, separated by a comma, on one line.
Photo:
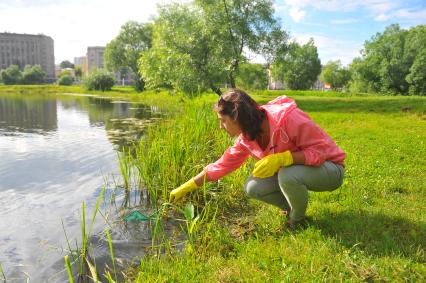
{"points": [[57, 151]]}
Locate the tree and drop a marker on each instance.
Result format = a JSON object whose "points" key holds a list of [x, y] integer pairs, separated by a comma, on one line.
{"points": [[78, 72], [99, 79], [334, 74], [66, 64], [300, 67], [125, 50], [33, 75], [11, 75], [201, 45], [417, 76], [392, 62], [243, 25], [252, 76], [185, 55], [65, 80]]}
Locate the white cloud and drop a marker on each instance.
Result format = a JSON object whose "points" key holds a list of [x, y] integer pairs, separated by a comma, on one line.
{"points": [[330, 48], [404, 14], [297, 14], [344, 22], [74, 24], [375, 7]]}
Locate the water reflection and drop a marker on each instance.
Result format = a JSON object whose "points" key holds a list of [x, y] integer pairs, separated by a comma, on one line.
{"points": [[55, 152], [27, 114]]}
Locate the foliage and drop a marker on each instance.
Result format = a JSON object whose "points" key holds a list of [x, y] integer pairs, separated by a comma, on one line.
{"points": [[334, 74], [124, 50], [78, 72], [99, 79], [33, 75], [184, 54], [199, 45], [300, 67], [243, 25], [11, 75], [252, 76], [392, 62], [370, 229], [66, 64], [65, 80]]}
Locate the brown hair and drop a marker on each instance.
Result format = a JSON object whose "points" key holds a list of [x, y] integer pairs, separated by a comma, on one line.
{"points": [[242, 108]]}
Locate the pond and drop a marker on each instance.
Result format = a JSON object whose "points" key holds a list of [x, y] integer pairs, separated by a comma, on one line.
{"points": [[56, 151]]}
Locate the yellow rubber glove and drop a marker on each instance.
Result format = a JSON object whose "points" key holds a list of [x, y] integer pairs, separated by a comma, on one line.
{"points": [[182, 190], [269, 165]]}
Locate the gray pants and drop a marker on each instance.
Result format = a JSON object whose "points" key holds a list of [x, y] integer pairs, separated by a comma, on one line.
{"points": [[289, 188]]}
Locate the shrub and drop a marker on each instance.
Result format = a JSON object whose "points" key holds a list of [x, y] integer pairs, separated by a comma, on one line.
{"points": [[33, 75], [99, 80], [65, 80], [11, 76]]}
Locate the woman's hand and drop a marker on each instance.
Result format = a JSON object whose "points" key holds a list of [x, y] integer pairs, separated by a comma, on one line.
{"points": [[269, 165], [182, 190]]}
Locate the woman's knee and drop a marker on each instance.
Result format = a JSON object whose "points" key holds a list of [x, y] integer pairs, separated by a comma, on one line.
{"points": [[251, 187], [287, 178]]}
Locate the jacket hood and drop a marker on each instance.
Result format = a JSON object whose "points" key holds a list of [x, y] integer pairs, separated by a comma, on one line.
{"points": [[279, 108]]}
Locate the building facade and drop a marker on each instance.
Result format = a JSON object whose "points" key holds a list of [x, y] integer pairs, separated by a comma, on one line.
{"points": [[27, 49], [94, 59], [79, 61]]}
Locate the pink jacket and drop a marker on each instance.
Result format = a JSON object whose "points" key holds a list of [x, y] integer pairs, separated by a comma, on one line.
{"points": [[290, 129]]}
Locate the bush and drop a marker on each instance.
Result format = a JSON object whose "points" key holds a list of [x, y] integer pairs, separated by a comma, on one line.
{"points": [[99, 80], [11, 75], [33, 75], [65, 80]]}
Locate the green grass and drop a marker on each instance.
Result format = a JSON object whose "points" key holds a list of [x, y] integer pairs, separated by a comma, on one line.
{"points": [[371, 229]]}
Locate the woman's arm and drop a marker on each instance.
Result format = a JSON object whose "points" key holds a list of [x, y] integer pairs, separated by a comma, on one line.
{"points": [[201, 178], [298, 157]]}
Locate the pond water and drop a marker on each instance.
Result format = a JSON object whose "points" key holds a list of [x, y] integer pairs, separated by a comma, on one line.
{"points": [[56, 151]]}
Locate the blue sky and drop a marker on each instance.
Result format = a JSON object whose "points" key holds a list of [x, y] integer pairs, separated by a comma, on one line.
{"points": [[339, 28]]}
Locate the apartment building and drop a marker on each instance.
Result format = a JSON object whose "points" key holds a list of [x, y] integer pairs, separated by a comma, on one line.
{"points": [[27, 49]]}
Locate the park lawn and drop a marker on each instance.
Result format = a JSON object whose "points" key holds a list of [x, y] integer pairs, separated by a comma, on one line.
{"points": [[372, 228]]}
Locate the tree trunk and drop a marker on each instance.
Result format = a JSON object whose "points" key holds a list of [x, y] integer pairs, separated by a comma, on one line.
{"points": [[216, 90]]}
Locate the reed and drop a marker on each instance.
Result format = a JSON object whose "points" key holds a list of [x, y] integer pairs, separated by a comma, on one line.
{"points": [[80, 253], [69, 269]]}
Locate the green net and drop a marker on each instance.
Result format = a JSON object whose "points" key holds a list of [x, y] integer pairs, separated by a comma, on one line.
{"points": [[136, 216]]}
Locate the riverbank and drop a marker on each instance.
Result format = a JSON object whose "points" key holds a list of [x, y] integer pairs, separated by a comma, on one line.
{"points": [[371, 229]]}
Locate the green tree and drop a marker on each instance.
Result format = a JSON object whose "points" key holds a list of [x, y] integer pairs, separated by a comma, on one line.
{"points": [[392, 62], [243, 25], [252, 76], [33, 75], [66, 64], [125, 50], [334, 74], [300, 67], [417, 76], [78, 72], [65, 79], [11, 75], [201, 44], [99, 79], [185, 55]]}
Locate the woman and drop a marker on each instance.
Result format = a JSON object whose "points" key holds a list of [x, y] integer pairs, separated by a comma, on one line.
{"points": [[295, 155]]}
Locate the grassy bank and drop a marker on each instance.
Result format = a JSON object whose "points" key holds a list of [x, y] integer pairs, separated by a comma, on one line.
{"points": [[371, 229]]}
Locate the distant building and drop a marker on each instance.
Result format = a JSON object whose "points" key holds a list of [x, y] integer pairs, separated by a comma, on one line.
{"points": [[79, 61], [274, 84], [94, 59], [27, 49]]}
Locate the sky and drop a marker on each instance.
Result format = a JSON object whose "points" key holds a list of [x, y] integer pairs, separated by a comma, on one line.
{"points": [[339, 28]]}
